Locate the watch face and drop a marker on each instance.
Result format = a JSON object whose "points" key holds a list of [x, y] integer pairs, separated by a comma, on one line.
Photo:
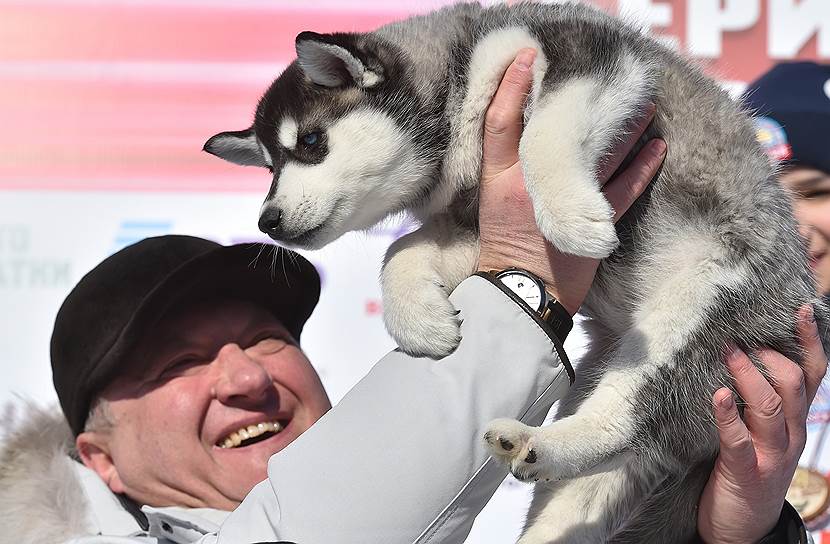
{"points": [[527, 289]]}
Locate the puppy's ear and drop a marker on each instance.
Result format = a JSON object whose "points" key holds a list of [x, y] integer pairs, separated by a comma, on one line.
{"points": [[327, 61], [240, 147]]}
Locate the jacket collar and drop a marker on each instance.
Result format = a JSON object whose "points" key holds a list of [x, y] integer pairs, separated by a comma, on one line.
{"points": [[109, 515], [105, 514]]}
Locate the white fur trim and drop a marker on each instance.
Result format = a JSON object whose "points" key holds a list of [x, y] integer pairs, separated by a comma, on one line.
{"points": [[41, 499]]}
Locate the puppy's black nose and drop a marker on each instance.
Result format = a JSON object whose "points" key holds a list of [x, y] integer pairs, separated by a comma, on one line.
{"points": [[269, 223]]}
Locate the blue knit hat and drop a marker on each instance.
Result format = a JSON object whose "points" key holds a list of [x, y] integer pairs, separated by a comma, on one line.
{"points": [[792, 104]]}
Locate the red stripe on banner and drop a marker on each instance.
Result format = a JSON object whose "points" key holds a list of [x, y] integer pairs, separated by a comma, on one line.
{"points": [[135, 32], [238, 183], [122, 96], [101, 132]]}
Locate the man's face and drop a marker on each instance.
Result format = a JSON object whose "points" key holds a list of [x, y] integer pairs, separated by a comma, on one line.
{"points": [[209, 372], [811, 189]]}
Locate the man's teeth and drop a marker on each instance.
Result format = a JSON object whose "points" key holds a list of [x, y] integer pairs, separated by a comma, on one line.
{"points": [[251, 431]]}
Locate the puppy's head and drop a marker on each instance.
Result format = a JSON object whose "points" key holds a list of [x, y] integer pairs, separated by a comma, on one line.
{"points": [[340, 162]]}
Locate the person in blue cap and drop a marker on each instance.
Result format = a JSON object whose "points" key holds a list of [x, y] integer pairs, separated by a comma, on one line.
{"points": [[792, 104]]}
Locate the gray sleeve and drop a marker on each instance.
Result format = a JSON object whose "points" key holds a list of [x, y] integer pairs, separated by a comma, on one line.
{"points": [[401, 458]]}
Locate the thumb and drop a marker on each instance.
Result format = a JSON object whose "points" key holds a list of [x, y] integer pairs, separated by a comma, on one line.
{"points": [[503, 121], [737, 452]]}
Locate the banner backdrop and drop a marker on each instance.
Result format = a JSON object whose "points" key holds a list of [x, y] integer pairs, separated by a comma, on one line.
{"points": [[105, 105]]}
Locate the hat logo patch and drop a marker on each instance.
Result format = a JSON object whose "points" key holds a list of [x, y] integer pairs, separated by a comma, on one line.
{"points": [[827, 88], [773, 139]]}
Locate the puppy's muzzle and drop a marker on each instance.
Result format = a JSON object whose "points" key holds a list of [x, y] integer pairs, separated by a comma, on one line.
{"points": [[269, 223]]}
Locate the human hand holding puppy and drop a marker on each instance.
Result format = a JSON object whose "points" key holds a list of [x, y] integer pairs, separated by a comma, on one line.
{"points": [[759, 453], [509, 235]]}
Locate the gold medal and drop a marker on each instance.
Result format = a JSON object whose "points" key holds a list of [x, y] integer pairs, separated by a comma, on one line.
{"points": [[809, 493]]}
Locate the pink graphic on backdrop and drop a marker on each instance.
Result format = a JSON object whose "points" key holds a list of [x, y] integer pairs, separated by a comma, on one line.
{"points": [[373, 307]]}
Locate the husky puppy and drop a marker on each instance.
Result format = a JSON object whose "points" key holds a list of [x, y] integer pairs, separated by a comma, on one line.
{"points": [[362, 126]]}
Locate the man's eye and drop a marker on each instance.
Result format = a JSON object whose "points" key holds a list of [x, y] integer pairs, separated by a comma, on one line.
{"points": [[181, 366], [267, 344], [816, 195], [311, 138]]}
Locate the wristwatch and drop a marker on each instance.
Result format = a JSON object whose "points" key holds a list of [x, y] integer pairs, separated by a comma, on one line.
{"points": [[531, 291]]}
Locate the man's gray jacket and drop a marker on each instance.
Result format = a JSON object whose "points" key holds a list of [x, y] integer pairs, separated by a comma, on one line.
{"points": [[400, 459]]}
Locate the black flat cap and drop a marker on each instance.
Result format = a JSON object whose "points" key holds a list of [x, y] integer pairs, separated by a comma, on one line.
{"points": [[104, 316]]}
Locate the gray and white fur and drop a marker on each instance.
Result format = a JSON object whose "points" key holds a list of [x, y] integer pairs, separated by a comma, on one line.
{"points": [[363, 126]]}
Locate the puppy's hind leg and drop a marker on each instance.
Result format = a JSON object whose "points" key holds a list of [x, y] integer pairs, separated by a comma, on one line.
{"points": [[569, 131], [681, 282], [586, 509], [420, 271]]}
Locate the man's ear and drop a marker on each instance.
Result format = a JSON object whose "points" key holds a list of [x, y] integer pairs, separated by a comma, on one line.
{"points": [[93, 449], [331, 64], [240, 147]]}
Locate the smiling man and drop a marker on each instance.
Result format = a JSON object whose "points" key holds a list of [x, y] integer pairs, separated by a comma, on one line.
{"points": [[194, 357], [222, 383]]}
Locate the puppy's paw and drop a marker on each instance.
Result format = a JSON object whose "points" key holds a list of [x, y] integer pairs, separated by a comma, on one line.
{"points": [[584, 227], [506, 437], [422, 320], [589, 238], [523, 449]]}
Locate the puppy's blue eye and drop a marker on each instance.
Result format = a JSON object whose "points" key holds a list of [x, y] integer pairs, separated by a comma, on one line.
{"points": [[311, 138]]}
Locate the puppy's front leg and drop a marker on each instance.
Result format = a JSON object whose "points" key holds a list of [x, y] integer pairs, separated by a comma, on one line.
{"points": [[419, 272], [569, 131]]}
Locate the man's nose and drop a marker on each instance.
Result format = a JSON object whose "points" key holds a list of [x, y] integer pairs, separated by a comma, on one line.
{"points": [[242, 380], [269, 222]]}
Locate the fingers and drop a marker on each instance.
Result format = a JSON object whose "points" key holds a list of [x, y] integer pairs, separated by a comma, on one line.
{"points": [[789, 383], [797, 386], [621, 150], [503, 121], [737, 451], [764, 412], [624, 189], [776, 412], [815, 360]]}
